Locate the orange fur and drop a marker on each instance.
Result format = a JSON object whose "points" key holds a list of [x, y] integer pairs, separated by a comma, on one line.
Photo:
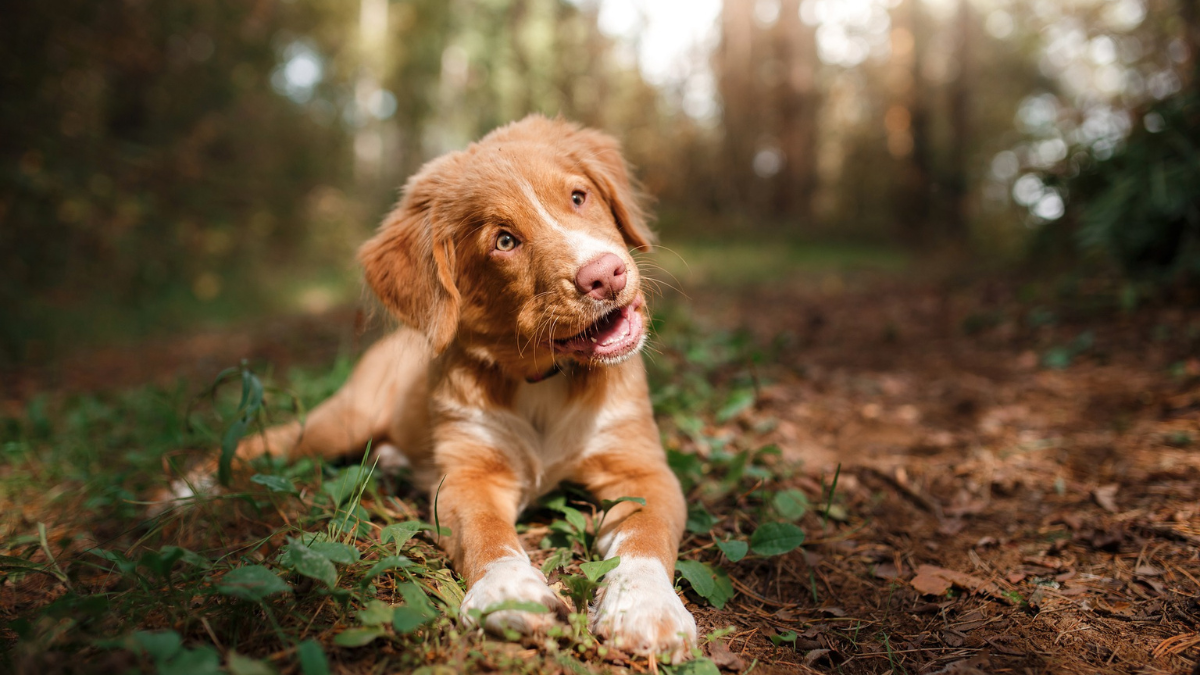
{"points": [[451, 390]]}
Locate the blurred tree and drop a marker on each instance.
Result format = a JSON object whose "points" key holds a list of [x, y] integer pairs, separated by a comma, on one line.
{"points": [[799, 103], [145, 152]]}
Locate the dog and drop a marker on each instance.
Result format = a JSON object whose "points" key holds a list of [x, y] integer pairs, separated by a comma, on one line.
{"points": [[517, 368]]}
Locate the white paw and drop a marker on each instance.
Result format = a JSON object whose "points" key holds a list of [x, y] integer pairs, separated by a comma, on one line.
{"points": [[512, 579], [638, 611], [180, 493]]}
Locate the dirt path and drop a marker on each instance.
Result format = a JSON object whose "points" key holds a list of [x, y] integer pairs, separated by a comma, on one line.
{"points": [[1007, 514], [1019, 484]]}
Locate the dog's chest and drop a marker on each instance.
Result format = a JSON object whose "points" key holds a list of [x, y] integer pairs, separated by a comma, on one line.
{"points": [[557, 429]]}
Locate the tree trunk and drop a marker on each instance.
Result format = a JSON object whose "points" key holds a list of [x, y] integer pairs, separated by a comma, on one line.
{"points": [[736, 79], [960, 122], [798, 106]]}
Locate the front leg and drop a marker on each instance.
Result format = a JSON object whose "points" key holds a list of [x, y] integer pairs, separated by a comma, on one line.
{"points": [[637, 609], [478, 501]]}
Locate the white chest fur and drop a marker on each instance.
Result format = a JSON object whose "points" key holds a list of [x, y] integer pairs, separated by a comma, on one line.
{"points": [[557, 431]]}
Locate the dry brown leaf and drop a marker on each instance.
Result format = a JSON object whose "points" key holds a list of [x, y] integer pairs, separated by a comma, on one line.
{"points": [[724, 658], [933, 580], [1106, 497]]}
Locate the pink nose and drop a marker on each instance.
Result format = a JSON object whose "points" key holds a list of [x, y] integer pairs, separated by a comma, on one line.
{"points": [[601, 278]]}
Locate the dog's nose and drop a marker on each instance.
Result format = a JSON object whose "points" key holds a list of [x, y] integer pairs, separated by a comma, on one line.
{"points": [[601, 278]]}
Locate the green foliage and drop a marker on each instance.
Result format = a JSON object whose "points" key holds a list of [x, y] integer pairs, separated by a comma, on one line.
{"points": [[711, 583], [1141, 206], [151, 166], [319, 559], [790, 504], [776, 539], [595, 569], [698, 666], [252, 582], [733, 549]]}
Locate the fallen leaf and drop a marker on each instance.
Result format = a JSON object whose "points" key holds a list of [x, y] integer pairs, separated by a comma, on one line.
{"points": [[1106, 496], [720, 655], [933, 580], [815, 655], [886, 571], [951, 526]]}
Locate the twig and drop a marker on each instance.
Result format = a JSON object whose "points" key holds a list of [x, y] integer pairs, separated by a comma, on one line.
{"points": [[924, 503]]}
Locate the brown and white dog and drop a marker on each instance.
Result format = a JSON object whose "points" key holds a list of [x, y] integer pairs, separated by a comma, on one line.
{"points": [[509, 264]]}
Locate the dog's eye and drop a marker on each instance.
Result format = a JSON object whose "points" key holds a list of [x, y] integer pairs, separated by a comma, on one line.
{"points": [[578, 197], [505, 242]]}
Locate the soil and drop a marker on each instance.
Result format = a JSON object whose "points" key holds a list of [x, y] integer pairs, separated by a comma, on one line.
{"points": [[1019, 487]]}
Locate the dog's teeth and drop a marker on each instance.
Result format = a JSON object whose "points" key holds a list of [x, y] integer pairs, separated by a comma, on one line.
{"points": [[593, 340]]}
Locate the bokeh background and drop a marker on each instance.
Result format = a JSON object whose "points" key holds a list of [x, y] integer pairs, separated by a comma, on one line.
{"points": [[169, 163]]}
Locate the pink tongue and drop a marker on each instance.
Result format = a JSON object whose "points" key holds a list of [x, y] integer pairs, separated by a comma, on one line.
{"points": [[611, 329]]}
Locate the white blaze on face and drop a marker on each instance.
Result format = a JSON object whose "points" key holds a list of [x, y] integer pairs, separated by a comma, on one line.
{"points": [[585, 246]]}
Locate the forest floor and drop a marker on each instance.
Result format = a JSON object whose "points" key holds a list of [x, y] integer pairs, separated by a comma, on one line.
{"points": [[991, 476]]}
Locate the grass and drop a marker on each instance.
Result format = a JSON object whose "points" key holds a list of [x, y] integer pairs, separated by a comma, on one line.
{"points": [[743, 262], [315, 568]]}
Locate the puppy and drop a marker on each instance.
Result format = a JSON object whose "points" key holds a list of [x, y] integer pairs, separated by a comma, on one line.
{"points": [[517, 368]]}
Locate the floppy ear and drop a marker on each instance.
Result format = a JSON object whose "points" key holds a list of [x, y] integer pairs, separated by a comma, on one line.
{"points": [[411, 268], [600, 156]]}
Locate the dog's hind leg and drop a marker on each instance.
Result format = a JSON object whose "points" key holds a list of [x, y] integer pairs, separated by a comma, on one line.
{"points": [[363, 410]]}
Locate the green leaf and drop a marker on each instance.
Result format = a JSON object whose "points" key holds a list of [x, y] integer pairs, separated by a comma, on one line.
{"points": [[203, 660], [739, 400], [700, 666], [160, 645], [229, 444], [252, 582], [559, 559], [597, 568], [722, 589], [400, 533], [376, 613], [791, 504], [776, 538], [356, 637], [275, 483], [303, 560], [415, 599], [699, 575], [576, 518], [125, 565], [699, 520], [190, 557], [8, 562], [312, 657], [342, 488], [607, 504], [1057, 358], [243, 665], [389, 563], [517, 606], [734, 549], [573, 515], [789, 637], [407, 619], [342, 554]]}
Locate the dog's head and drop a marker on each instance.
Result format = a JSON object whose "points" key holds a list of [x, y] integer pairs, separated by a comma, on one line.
{"points": [[519, 246]]}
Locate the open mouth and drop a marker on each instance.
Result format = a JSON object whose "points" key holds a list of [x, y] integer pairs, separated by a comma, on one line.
{"points": [[616, 334]]}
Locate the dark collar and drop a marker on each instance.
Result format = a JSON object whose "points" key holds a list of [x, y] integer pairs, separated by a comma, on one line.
{"points": [[544, 376]]}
